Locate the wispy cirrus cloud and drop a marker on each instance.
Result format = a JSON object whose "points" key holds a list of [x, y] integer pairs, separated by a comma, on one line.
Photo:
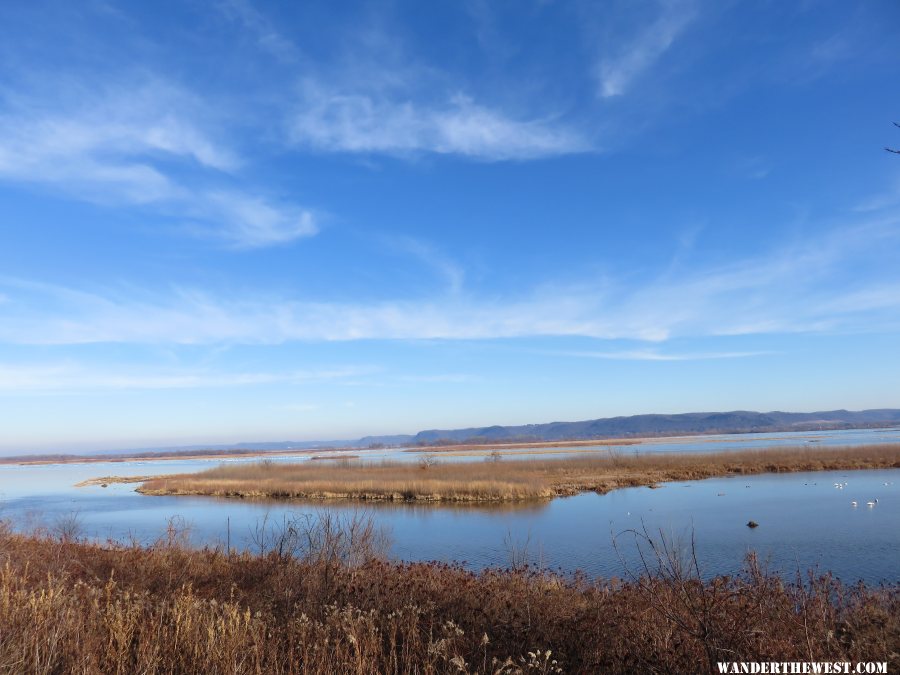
{"points": [[454, 378], [70, 377], [345, 119], [144, 145], [447, 269], [840, 281], [887, 198], [257, 24], [246, 221], [616, 71], [371, 100], [122, 127], [655, 355]]}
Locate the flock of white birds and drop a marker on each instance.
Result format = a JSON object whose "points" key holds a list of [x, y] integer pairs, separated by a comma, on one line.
{"points": [[870, 504]]}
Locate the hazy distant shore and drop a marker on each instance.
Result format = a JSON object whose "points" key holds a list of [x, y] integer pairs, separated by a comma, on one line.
{"points": [[346, 452], [351, 452], [602, 431], [25, 460]]}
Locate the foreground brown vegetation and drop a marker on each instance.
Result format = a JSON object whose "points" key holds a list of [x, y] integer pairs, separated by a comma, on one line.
{"points": [[317, 598], [503, 479]]}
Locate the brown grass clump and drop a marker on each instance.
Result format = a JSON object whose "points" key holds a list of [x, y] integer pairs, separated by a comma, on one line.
{"points": [[332, 606], [505, 480]]}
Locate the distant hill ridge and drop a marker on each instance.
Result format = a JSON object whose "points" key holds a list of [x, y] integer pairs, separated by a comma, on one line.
{"points": [[736, 421], [733, 422]]}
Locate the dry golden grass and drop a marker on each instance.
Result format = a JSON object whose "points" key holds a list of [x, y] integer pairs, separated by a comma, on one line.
{"points": [[71, 607], [505, 480]]}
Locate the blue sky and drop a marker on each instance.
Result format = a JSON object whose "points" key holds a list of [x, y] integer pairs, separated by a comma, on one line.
{"points": [[248, 220]]}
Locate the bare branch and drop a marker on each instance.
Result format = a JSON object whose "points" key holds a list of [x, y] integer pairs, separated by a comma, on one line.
{"points": [[896, 152]]}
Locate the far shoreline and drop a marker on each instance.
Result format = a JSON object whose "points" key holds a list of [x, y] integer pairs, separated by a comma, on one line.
{"points": [[475, 449]]}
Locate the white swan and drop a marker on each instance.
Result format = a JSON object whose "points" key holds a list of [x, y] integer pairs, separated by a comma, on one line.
{"points": [[852, 503]]}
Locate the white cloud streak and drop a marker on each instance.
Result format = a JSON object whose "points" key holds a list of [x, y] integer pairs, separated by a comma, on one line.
{"points": [[355, 121], [124, 148], [886, 199], [373, 100], [116, 127], [70, 377], [616, 73], [811, 286], [653, 355], [442, 266], [268, 38], [452, 378], [251, 222]]}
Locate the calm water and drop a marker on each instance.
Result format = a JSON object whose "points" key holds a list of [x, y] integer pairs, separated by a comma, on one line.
{"points": [[693, 444], [804, 520]]}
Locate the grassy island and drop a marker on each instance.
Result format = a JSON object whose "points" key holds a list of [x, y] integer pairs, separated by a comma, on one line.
{"points": [[502, 479]]}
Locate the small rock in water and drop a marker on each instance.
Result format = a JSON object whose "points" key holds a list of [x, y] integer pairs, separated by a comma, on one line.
{"points": [[104, 485], [752, 524]]}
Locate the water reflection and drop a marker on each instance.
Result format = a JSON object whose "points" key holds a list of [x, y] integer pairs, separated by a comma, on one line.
{"points": [[804, 520], [524, 507]]}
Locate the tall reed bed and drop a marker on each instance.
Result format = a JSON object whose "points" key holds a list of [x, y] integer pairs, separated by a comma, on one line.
{"points": [[502, 479]]}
